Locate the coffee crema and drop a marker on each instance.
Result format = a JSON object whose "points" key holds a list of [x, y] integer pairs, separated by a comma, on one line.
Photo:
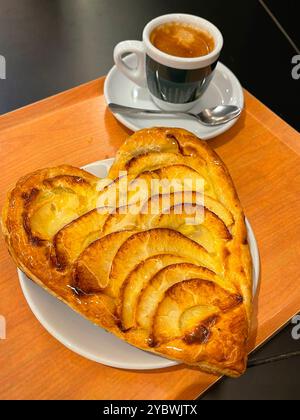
{"points": [[182, 40]]}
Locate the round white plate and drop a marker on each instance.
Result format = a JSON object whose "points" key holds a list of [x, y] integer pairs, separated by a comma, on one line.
{"points": [[224, 89], [91, 341]]}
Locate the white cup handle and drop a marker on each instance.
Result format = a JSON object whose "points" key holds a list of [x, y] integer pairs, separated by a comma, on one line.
{"points": [[137, 74]]}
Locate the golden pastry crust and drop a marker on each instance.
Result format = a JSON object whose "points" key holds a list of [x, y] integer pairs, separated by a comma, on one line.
{"points": [[181, 291]]}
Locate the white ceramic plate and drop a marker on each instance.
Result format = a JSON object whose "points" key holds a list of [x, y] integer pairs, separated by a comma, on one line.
{"points": [[91, 341], [224, 89]]}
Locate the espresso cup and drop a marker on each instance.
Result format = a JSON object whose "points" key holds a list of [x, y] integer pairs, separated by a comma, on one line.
{"points": [[174, 83]]}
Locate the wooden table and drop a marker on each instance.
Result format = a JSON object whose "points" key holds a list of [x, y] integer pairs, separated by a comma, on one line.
{"points": [[263, 155]]}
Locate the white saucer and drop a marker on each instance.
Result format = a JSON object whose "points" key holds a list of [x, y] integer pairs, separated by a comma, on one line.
{"points": [[88, 340], [223, 89]]}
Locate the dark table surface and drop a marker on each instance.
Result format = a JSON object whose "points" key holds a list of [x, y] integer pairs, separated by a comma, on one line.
{"points": [[53, 45]]}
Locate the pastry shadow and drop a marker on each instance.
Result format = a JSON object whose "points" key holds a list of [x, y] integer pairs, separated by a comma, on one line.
{"points": [[254, 322], [197, 391]]}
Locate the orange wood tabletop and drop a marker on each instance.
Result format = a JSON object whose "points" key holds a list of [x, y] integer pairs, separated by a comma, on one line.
{"points": [[263, 156]]}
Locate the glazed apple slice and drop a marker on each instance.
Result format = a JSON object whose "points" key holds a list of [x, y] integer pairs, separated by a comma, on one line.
{"points": [[72, 240], [171, 319], [154, 161], [196, 222], [57, 202], [182, 177], [145, 244], [143, 142], [162, 202], [91, 269], [121, 219], [136, 281], [154, 292]]}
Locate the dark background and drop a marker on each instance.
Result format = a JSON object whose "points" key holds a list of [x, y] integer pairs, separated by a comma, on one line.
{"points": [[53, 45]]}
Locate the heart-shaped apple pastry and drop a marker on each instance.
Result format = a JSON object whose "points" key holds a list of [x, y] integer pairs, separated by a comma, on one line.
{"points": [[156, 253]]}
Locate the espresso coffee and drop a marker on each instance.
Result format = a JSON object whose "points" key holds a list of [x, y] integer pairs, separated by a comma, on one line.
{"points": [[182, 40], [176, 60]]}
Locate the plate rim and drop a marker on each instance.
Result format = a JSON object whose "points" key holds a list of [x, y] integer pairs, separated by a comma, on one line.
{"points": [[63, 339], [217, 130], [75, 348]]}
